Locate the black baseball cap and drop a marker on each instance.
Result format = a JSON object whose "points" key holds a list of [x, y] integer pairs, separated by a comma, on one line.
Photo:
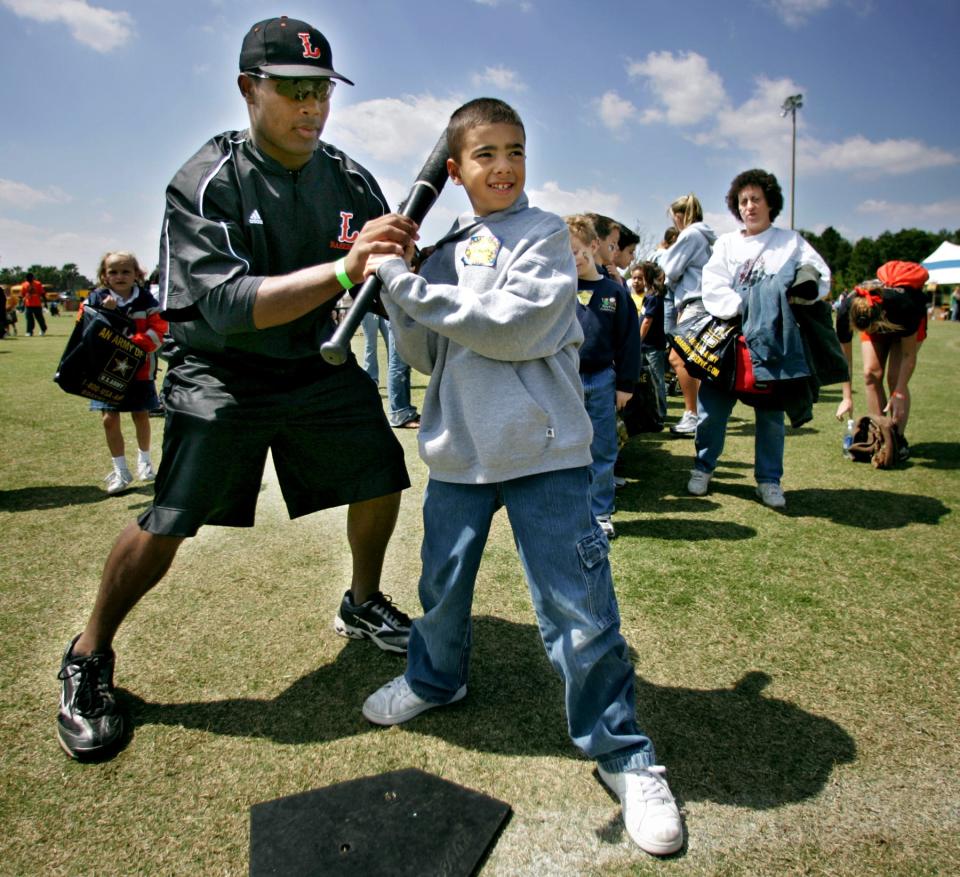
{"points": [[288, 48]]}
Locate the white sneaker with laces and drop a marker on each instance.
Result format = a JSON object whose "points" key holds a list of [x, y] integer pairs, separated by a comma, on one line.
{"points": [[686, 425], [771, 495], [394, 703], [699, 482], [118, 481], [607, 526], [650, 813], [145, 471]]}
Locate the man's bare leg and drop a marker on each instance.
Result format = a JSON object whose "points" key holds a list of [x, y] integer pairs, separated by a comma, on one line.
{"points": [[369, 528], [136, 563]]}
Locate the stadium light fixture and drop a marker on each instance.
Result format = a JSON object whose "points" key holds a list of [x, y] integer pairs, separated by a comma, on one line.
{"points": [[791, 105]]}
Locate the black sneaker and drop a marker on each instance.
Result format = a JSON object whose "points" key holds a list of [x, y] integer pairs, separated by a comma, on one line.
{"points": [[377, 620], [90, 723], [903, 449]]}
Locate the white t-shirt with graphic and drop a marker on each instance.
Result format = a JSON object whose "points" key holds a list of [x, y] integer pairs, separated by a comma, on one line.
{"points": [[740, 260]]}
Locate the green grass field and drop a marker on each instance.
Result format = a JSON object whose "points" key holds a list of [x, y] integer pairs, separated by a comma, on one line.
{"points": [[797, 672]]}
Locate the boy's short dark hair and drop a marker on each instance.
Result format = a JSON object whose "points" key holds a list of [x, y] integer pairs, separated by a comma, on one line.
{"points": [[603, 224], [628, 237], [479, 111], [768, 184]]}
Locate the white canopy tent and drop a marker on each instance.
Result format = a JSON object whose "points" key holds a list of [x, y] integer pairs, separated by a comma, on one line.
{"points": [[944, 264]]}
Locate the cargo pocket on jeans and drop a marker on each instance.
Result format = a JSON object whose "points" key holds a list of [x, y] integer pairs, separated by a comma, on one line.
{"points": [[595, 568]]}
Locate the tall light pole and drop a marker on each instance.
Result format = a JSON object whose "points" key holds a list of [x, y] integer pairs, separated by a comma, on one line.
{"points": [[791, 105]]}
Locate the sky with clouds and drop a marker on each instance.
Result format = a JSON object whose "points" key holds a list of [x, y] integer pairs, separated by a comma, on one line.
{"points": [[627, 105]]}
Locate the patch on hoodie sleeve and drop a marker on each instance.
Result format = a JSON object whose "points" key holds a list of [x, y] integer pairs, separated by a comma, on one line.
{"points": [[482, 250]]}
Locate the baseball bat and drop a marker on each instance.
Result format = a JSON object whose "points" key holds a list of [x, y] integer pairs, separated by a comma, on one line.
{"points": [[421, 197]]}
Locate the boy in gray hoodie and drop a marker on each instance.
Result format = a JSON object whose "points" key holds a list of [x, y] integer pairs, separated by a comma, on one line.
{"points": [[492, 319]]}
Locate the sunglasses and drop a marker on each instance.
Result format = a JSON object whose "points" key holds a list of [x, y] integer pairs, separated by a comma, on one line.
{"points": [[299, 89]]}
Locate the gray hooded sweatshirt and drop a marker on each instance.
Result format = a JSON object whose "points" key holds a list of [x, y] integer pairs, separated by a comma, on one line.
{"points": [[492, 319], [683, 262]]}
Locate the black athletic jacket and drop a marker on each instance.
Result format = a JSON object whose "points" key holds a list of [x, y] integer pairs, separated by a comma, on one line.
{"points": [[234, 216]]}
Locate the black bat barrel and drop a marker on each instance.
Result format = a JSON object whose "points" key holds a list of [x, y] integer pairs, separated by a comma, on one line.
{"points": [[419, 200]]}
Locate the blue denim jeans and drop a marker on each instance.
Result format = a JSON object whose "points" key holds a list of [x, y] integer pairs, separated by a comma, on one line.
{"points": [[713, 412], [657, 360], [669, 314], [371, 325], [564, 557], [600, 398], [400, 411]]}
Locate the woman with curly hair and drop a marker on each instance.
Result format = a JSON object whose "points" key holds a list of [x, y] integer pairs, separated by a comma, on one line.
{"points": [[756, 265]]}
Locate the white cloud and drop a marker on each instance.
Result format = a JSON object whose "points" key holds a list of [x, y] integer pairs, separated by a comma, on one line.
{"points": [[685, 87], [392, 130], [909, 214], [857, 154], [757, 124], [26, 244], [614, 111], [551, 197], [499, 77], [100, 29], [692, 95], [796, 12], [524, 5], [720, 222], [22, 195]]}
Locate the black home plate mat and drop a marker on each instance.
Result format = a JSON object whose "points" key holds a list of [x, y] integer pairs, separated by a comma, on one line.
{"points": [[406, 822]]}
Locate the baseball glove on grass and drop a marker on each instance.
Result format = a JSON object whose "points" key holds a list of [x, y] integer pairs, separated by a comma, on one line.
{"points": [[876, 441]]}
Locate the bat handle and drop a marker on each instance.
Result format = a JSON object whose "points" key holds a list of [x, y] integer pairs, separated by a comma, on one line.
{"points": [[337, 349]]}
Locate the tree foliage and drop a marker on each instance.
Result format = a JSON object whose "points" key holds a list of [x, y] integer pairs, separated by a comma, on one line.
{"points": [[851, 264], [65, 279]]}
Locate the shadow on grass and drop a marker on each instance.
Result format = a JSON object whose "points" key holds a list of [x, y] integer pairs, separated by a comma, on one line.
{"points": [[24, 499], [730, 745], [851, 506], [735, 746], [936, 455], [685, 530]]}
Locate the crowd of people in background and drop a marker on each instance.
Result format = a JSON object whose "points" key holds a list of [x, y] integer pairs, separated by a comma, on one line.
{"points": [[765, 280]]}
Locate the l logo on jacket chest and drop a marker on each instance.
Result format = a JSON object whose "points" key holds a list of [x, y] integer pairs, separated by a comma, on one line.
{"points": [[346, 237]]}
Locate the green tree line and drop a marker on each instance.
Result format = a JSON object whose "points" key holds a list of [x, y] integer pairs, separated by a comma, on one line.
{"points": [[851, 264], [65, 279]]}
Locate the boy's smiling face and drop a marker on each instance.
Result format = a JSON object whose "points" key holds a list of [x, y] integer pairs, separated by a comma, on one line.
{"points": [[491, 167]]}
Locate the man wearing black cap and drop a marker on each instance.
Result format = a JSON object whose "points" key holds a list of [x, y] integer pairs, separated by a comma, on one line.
{"points": [[263, 230]]}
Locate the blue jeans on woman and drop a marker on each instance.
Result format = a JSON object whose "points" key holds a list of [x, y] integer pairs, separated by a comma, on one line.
{"points": [[657, 360], [713, 412], [600, 399], [398, 372], [564, 557]]}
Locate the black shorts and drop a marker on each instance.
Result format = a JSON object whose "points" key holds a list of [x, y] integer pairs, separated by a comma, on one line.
{"points": [[330, 440]]}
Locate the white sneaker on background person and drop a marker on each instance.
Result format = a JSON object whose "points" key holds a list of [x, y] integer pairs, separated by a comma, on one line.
{"points": [[699, 482], [686, 425]]}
